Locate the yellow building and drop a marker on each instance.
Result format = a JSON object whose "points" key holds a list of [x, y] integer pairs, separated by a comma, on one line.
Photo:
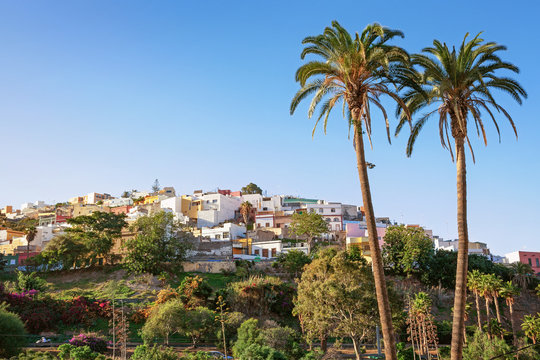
{"points": [[190, 207], [362, 243], [242, 246], [8, 248], [151, 199]]}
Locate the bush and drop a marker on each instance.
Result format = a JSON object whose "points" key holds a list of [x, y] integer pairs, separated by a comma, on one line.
{"points": [[93, 342], [199, 355], [284, 339], [404, 352], [145, 352], [70, 352], [26, 282], [11, 324], [481, 347]]}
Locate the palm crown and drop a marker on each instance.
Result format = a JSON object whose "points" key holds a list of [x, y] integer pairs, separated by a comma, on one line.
{"points": [[355, 71], [461, 82]]}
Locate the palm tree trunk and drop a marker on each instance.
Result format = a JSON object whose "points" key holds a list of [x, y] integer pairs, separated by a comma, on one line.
{"points": [[512, 324], [496, 301], [487, 309], [463, 254], [376, 258], [478, 311]]}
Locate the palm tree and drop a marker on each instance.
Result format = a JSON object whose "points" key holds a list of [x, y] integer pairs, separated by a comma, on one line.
{"points": [[30, 236], [473, 283], [522, 274], [461, 83], [245, 210], [485, 291], [531, 326], [355, 71], [509, 292]]}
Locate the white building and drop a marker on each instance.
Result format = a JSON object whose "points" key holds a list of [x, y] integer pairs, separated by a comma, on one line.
{"points": [[118, 202], [32, 206], [136, 212], [475, 247], [270, 249], [44, 234], [175, 205], [217, 208], [264, 203], [331, 212], [93, 198], [225, 232]]}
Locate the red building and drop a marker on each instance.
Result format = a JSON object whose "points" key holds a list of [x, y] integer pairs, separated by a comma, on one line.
{"points": [[121, 209]]}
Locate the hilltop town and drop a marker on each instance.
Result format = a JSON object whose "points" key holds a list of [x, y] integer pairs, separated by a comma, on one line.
{"points": [[222, 228]]}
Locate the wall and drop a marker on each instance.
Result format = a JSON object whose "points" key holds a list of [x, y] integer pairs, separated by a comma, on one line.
{"points": [[212, 267]]}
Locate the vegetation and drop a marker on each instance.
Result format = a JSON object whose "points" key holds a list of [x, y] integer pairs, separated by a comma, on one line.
{"points": [[13, 334], [245, 210], [309, 225], [251, 188], [160, 244], [292, 262], [461, 82], [356, 71], [407, 250]]}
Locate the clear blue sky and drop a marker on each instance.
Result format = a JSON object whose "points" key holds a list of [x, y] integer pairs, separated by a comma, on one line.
{"points": [[108, 95]]}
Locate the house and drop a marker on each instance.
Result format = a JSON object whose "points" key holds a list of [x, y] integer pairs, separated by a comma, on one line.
{"points": [[252, 248], [361, 243], [94, 198], [8, 235], [216, 208], [331, 212], [263, 203], [118, 202], [475, 247], [526, 257], [224, 232]]}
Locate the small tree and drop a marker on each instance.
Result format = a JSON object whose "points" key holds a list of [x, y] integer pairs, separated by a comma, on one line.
{"points": [[308, 224], [156, 187], [251, 188], [293, 261], [509, 292], [200, 322], [166, 319], [65, 251], [531, 327], [421, 328], [407, 249], [160, 245], [481, 347]]}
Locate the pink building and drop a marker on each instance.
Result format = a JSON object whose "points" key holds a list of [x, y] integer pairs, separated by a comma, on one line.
{"points": [[526, 257], [359, 230]]}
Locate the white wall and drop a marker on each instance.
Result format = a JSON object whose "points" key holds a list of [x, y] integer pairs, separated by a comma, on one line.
{"points": [[217, 208], [173, 203], [227, 231]]}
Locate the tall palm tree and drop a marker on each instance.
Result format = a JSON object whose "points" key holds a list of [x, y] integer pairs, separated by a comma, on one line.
{"points": [[485, 291], [355, 71], [458, 85], [495, 288], [473, 283], [509, 292], [30, 236], [245, 210]]}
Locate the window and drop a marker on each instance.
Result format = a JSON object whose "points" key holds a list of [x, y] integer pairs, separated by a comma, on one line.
{"points": [[267, 224], [537, 262], [321, 210], [265, 253], [218, 236], [336, 219], [274, 251], [332, 210], [214, 201], [530, 261], [256, 252], [225, 235]]}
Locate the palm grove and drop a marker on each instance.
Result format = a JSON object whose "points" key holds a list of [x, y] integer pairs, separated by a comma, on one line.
{"points": [[354, 72]]}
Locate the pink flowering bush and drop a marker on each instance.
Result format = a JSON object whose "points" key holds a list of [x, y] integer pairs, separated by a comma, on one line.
{"points": [[95, 343]]}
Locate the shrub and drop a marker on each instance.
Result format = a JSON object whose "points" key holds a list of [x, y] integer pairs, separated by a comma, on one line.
{"points": [[95, 343], [404, 352], [199, 355], [11, 324], [30, 281], [194, 291], [145, 352], [481, 347], [284, 339], [70, 352]]}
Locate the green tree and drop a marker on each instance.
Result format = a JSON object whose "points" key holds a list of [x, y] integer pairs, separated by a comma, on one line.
{"points": [[293, 261], [30, 281], [308, 224], [200, 322], [97, 231], [156, 187], [336, 296], [509, 292], [356, 71], [407, 249], [155, 352], [481, 347], [65, 251], [284, 340], [251, 188], [474, 279], [531, 327], [13, 334], [166, 319], [522, 274], [461, 84], [250, 344], [160, 245], [31, 233]]}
